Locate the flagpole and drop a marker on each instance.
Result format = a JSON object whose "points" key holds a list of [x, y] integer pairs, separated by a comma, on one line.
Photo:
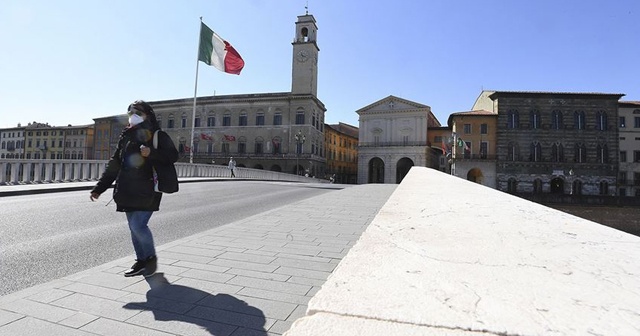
{"points": [[195, 95]]}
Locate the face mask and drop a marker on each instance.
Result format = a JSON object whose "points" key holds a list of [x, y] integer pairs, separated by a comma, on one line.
{"points": [[135, 119]]}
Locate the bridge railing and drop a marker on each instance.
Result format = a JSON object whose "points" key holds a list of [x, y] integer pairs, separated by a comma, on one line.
{"points": [[25, 171]]}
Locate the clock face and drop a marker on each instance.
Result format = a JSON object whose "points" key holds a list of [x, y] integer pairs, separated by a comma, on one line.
{"points": [[302, 56]]}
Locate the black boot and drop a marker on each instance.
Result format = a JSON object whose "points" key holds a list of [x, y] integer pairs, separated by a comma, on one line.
{"points": [[151, 266], [137, 269]]}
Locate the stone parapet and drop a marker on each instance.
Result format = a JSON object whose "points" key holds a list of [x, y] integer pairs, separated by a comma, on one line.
{"points": [[446, 256]]}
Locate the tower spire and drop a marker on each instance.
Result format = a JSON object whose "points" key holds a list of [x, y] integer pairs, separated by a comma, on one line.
{"points": [[306, 8]]}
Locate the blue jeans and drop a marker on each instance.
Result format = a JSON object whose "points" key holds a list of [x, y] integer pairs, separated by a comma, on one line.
{"points": [[141, 234]]}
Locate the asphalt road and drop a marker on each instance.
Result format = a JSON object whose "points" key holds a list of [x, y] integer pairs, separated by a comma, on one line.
{"points": [[48, 236]]}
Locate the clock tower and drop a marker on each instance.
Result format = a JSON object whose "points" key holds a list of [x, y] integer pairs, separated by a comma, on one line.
{"points": [[304, 79]]}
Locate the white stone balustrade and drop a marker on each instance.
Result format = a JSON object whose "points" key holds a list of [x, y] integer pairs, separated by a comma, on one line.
{"points": [[23, 171], [445, 256]]}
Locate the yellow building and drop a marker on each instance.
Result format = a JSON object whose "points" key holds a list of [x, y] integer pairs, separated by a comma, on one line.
{"points": [[43, 141], [341, 151], [107, 133], [473, 146]]}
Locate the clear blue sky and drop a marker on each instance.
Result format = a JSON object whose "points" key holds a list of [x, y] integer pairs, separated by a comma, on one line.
{"points": [[67, 62]]}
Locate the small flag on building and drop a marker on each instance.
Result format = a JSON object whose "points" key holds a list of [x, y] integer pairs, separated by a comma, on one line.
{"points": [[218, 52], [229, 137]]}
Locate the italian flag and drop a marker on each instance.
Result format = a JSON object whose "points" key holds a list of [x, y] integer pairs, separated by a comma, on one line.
{"points": [[218, 52]]}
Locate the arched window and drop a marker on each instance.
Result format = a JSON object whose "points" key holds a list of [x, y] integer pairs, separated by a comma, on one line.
{"points": [[577, 187], [601, 121], [259, 145], [260, 118], [183, 120], [557, 121], [226, 119], [512, 185], [537, 186], [604, 188], [603, 153], [300, 116], [578, 120], [170, 122], [557, 152], [277, 118], [242, 145], [534, 119], [211, 119], [277, 144], [512, 152], [580, 153], [535, 154], [242, 120], [514, 119]]}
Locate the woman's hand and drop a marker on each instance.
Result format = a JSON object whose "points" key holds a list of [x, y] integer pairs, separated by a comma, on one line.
{"points": [[94, 196]]}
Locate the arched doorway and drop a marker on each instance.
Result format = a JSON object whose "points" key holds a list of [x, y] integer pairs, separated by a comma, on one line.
{"points": [[475, 175], [557, 186], [376, 170], [402, 168], [276, 168]]}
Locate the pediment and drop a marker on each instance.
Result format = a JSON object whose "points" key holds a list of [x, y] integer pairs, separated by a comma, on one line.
{"points": [[392, 104]]}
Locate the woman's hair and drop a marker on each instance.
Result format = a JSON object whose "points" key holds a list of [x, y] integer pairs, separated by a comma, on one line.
{"points": [[148, 110]]}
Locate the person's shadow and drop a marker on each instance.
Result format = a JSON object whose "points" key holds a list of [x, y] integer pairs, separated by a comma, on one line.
{"points": [[219, 314]]}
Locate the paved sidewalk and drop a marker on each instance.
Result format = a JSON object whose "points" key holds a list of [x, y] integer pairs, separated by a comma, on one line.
{"points": [[250, 277]]}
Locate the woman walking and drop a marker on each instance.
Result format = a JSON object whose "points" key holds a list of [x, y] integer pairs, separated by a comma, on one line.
{"points": [[131, 167]]}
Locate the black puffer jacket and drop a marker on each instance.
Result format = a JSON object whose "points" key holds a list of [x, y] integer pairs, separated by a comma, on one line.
{"points": [[133, 173]]}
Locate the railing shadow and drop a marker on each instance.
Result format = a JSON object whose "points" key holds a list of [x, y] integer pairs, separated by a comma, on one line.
{"points": [[219, 314]]}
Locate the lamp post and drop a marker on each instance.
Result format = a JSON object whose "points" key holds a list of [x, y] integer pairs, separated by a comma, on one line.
{"points": [[571, 173], [300, 138]]}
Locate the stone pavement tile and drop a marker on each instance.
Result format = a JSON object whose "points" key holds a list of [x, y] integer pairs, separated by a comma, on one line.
{"points": [[204, 246], [8, 317], [142, 287], [259, 275], [259, 322], [276, 286], [277, 296], [244, 265], [203, 252], [152, 303], [246, 257], [96, 306], [38, 310], [335, 255], [27, 292], [78, 320], [203, 267], [183, 257], [209, 286], [235, 249], [50, 295], [300, 311], [108, 280], [172, 269], [34, 326], [335, 241], [304, 264], [304, 257], [306, 281], [259, 252], [207, 275], [238, 303], [252, 332], [321, 275], [92, 290], [178, 324], [281, 326], [312, 292], [107, 327]]}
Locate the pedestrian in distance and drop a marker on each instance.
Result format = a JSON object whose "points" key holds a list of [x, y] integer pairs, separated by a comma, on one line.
{"points": [[232, 167], [131, 167]]}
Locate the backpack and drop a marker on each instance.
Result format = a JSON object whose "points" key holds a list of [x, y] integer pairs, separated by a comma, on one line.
{"points": [[165, 178]]}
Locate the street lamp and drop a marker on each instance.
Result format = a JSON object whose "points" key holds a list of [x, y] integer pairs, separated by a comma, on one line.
{"points": [[300, 138]]}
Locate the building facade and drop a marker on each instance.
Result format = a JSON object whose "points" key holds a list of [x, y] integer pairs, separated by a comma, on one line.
{"points": [[473, 146], [629, 133], [106, 134], [274, 131], [12, 143], [393, 138], [558, 143], [341, 152]]}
